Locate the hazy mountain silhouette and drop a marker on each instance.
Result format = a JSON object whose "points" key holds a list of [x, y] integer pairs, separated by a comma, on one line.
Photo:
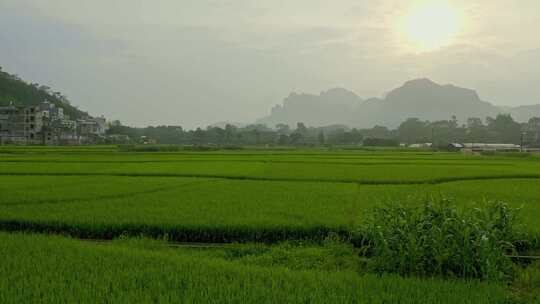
{"points": [[330, 107], [524, 113], [420, 98]]}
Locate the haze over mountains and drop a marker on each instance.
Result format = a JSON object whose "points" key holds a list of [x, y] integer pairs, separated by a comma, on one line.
{"points": [[420, 98]]}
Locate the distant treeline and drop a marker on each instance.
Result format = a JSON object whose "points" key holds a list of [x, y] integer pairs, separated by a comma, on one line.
{"points": [[501, 129]]}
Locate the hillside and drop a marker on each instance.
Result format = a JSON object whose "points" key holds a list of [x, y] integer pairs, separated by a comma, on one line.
{"points": [[420, 98], [13, 89]]}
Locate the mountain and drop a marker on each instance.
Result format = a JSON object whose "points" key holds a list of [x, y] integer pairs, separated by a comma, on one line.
{"points": [[524, 113], [13, 89], [426, 100], [330, 107], [420, 98]]}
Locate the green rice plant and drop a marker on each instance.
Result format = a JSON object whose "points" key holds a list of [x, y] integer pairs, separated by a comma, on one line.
{"points": [[228, 210], [437, 239], [51, 269], [526, 285], [333, 254], [244, 196], [345, 167]]}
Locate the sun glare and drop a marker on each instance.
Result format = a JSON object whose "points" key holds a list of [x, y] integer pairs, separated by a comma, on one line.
{"points": [[431, 24]]}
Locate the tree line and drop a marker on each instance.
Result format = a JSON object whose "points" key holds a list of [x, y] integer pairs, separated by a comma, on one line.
{"points": [[500, 129]]}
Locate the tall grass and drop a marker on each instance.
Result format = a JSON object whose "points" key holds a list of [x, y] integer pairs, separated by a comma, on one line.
{"points": [[438, 239]]}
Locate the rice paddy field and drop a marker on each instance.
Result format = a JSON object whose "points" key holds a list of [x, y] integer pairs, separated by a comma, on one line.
{"points": [[267, 214]]}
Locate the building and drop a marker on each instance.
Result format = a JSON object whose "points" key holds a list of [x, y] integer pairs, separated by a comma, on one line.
{"points": [[21, 124], [493, 147], [421, 145], [92, 126], [48, 125], [118, 139], [455, 147], [91, 130]]}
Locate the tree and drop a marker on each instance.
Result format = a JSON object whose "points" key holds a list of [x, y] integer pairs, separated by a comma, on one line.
{"points": [[283, 139], [321, 138], [230, 130], [476, 130], [413, 130], [445, 132], [301, 128], [283, 129], [299, 135], [504, 129], [380, 142], [198, 136], [377, 132], [533, 131], [295, 138], [257, 136], [13, 89]]}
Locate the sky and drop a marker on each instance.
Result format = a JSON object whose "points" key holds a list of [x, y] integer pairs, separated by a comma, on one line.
{"points": [[197, 62]]}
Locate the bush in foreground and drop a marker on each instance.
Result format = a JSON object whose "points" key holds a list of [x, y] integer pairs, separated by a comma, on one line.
{"points": [[437, 239]]}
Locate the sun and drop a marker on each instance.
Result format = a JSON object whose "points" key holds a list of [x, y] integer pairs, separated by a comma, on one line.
{"points": [[432, 24]]}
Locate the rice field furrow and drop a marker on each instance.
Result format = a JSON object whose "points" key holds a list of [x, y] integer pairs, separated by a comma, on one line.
{"points": [[434, 181], [98, 198]]}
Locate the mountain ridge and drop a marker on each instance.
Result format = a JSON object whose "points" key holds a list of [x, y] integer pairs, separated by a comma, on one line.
{"points": [[419, 98]]}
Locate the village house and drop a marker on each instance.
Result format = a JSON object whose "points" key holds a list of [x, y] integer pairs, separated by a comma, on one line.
{"points": [[46, 124], [20, 124]]}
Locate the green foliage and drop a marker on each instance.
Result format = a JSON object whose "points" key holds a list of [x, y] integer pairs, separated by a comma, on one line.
{"points": [[380, 142], [501, 129], [330, 255], [437, 239]]}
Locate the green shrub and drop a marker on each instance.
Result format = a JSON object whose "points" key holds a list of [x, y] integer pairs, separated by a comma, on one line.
{"points": [[332, 254], [438, 240], [380, 142]]}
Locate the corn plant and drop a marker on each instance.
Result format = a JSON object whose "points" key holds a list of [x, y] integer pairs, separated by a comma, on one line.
{"points": [[437, 239]]}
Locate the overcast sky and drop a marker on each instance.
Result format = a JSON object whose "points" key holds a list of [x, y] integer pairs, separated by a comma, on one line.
{"points": [[197, 62]]}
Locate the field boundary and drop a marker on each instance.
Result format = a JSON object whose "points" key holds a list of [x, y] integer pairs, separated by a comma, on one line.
{"points": [[467, 163], [434, 181], [177, 233]]}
